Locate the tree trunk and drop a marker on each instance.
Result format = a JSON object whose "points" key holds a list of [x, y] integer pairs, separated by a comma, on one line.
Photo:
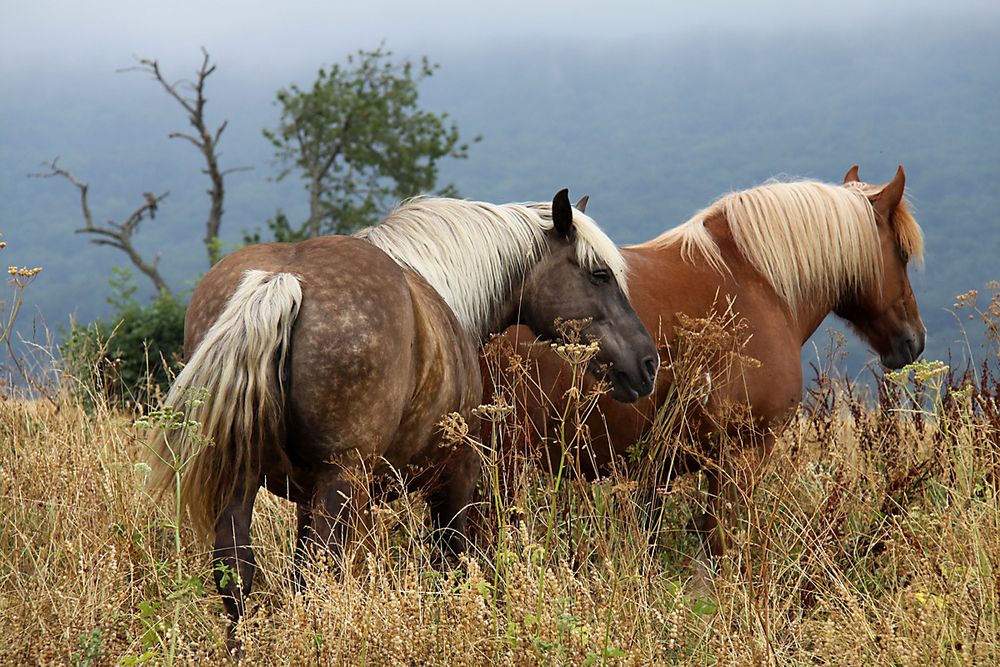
{"points": [[313, 225]]}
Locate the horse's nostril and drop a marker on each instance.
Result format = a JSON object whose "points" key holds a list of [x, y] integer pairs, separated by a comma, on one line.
{"points": [[650, 363], [911, 347]]}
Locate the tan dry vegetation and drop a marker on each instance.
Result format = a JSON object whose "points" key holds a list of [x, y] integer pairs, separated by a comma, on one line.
{"points": [[874, 538]]}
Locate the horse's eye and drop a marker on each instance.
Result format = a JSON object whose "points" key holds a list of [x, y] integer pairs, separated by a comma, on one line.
{"points": [[600, 276]]}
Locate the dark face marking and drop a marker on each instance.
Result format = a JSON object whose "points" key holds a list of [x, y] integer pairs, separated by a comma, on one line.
{"points": [[559, 288]]}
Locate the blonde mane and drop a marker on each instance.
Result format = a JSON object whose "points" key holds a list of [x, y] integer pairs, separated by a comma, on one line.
{"points": [[809, 240], [472, 252]]}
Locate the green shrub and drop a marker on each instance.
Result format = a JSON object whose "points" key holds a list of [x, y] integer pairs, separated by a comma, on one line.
{"points": [[132, 354]]}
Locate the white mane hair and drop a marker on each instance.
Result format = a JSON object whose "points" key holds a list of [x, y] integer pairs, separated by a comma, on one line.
{"points": [[472, 252], [809, 240]]}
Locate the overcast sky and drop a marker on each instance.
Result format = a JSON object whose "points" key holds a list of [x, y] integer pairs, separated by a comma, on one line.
{"points": [[270, 37]]}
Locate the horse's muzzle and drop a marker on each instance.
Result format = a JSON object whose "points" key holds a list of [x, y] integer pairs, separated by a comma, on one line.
{"points": [[906, 348], [630, 387]]}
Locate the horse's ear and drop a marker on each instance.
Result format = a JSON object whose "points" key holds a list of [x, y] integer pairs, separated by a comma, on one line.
{"points": [[889, 197], [562, 213], [581, 205], [852, 175]]}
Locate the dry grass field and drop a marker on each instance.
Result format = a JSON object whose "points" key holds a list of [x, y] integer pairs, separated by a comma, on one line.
{"points": [[872, 539]]}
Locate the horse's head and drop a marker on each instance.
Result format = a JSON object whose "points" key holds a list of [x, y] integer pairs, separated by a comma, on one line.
{"points": [[886, 313], [564, 286]]}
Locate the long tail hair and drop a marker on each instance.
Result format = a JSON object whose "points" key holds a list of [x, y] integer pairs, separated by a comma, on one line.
{"points": [[228, 400]]}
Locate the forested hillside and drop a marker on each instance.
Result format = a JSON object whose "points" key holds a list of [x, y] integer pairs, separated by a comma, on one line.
{"points": [[653, 131]]}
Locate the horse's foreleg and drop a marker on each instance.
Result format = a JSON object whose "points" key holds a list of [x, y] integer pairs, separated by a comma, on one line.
{"points": [[450, 504], [732, 483], [713, 523], [711, 532], [234, 559]]}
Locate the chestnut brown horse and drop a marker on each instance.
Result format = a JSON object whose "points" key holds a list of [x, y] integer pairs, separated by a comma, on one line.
{"points": [[780, 256], [329, 364]]}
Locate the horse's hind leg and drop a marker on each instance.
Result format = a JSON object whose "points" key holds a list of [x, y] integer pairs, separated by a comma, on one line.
{"points": [[234, 559], [340, 502], [450, 503], [302, 534]]}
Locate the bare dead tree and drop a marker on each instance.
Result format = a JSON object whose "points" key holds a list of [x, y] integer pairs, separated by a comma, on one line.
{"points": [[207, 142], [111, 233]]}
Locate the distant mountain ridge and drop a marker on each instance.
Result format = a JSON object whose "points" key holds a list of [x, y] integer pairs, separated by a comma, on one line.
{"points": [[652, 131]]}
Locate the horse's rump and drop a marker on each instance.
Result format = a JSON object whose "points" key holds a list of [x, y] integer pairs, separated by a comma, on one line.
{"points": [[373, 362]]}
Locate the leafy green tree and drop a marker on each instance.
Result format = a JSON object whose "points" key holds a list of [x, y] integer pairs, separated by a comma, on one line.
{"points": [[360, 142]]}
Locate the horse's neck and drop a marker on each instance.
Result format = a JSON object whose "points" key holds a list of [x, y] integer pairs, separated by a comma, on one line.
{"points": [[805, 318], [809, 317], [507, 311], [504, 309]]}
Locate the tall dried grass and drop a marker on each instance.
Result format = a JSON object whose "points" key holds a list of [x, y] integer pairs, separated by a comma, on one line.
{"points": [[874, 539]]}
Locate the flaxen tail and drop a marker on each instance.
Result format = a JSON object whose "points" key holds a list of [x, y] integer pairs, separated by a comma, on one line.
{"points": [[229, 399]]}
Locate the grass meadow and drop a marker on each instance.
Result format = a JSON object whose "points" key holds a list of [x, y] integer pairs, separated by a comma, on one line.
{"points": [[872, 538]]}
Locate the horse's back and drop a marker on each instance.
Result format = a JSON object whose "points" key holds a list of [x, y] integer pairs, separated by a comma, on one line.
{"points": [[331, 268]]}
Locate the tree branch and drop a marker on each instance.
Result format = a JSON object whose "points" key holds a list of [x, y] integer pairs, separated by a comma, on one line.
{"points": [[114, 234], [233, 170], [204, 140]]}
